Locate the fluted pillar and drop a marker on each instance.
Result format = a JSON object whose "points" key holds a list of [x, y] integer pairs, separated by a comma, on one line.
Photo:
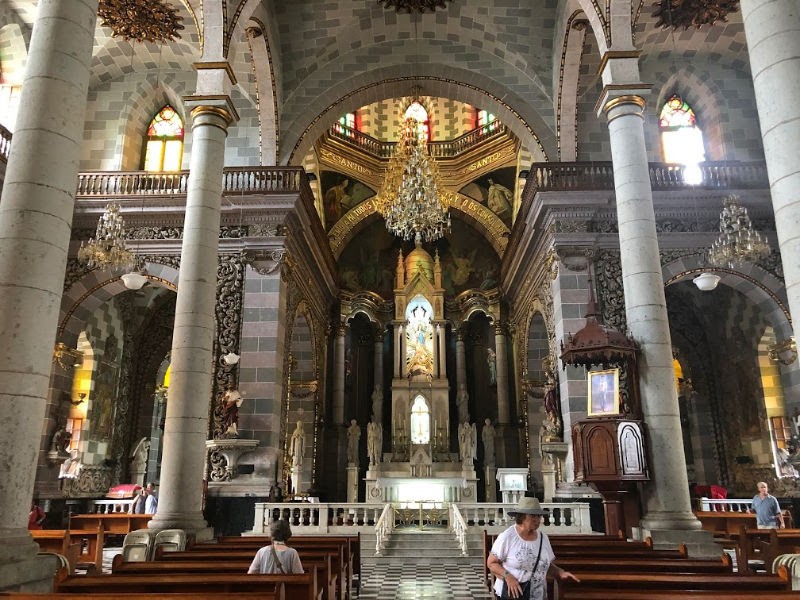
{"points": [[377, 393], [441, 331], [35, 220], [461, 361], [398, 332], [772, 30], [667, 504], [503, 412], [338, 375], [186, 423]]}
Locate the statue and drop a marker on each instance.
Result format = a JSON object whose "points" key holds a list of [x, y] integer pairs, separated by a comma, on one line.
{"points": [[60, 443], [374, 442], [138, 463], [297, 445], [551, 426], [491, 361], [500, 199], [229, 413], [467, 440], [487, 435], [71, 468], [353, 436], [462, 403]]}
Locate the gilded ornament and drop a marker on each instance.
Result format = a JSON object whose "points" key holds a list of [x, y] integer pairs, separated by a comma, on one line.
{"points": [[141, 20], [414, 6]]}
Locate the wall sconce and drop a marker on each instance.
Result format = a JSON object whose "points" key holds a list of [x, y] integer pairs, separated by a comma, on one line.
{"points": [[67, 357], [706, 282], [81, 398], [231, 358], [784, 352]]}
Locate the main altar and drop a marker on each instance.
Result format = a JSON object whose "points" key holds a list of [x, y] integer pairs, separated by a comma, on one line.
{"points": [[419, 464]]}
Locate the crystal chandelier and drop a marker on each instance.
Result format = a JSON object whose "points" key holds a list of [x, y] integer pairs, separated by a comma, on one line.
{"points": [[106, 250], [412, 200], [738, 242]]}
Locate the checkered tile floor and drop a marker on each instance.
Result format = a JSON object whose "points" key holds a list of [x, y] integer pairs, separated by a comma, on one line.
{"points": [[453, 581]]}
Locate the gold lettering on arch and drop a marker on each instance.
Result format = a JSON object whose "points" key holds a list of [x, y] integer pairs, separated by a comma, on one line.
{"points": [[487, 160], [330, 157]]}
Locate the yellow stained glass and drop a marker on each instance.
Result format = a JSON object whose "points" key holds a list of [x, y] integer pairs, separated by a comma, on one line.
{"points": [[154, 155], [173, 152]]}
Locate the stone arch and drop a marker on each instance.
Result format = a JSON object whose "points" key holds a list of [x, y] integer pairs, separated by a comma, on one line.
{"points": [[567, 86], [531, 127], [15, 54], [266, 84]]}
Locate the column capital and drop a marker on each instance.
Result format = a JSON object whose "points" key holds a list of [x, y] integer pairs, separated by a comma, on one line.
{"points": [[219, 106], [615, 96], [500, 328]]}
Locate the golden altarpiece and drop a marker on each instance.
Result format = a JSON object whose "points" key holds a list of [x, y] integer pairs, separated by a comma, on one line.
{"points": [[420, 465]]}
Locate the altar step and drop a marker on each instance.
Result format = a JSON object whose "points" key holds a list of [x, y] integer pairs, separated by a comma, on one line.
{"points": [[414, 546]]}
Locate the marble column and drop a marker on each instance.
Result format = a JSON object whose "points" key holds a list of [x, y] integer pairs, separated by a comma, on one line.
{"points": [[35, 220], [666, 497], [338, 375], [461, 361], [186, 422], [398, 332], [772, 30], [377, 393], [503, 412]]}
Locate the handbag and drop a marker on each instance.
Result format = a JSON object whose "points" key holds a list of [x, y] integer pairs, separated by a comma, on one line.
{"points": [[526, 587]]}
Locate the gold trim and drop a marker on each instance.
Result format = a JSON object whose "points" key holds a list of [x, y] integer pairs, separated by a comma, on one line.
{"points": [[612, 54], [213, 110], [222, 64], [625, 99]]}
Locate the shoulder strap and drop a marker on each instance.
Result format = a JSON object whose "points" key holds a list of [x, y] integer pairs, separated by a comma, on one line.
{"points": [[539, 554], [278, 560]]}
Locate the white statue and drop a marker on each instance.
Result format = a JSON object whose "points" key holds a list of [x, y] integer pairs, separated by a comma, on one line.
{"points": [[374, 442], [71, 468], [487, 435], [467, 440], [297, 445], [353, 436], [139, 458]]}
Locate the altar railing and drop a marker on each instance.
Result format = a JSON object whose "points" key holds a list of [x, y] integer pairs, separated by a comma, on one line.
{"points": [[111, 506], [726, 505], [384, 528], [311, 518], [459, 528]]}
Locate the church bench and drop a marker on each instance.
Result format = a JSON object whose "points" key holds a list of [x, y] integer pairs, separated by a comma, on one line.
{"points": [[725, 522], [768, 544], [276, 594], [576, 593], [644, 564], [62, 541], [643, 583], [296, 587], [328, 577], [111, 523]]}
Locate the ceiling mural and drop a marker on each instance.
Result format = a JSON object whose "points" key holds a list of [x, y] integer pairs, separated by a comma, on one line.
{"points": [[468, 260], [340, 193], [495, 191]]}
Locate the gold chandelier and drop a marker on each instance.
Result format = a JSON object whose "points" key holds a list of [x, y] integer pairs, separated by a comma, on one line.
{"points": [[412, 200], [141, 20], [738, 242], [106, 250]]}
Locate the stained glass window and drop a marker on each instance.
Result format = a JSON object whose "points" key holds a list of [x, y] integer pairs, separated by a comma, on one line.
{"points": [[164, 143], [420, 422], [417, 112], [485, 118], [346, 125], [681, 138]]}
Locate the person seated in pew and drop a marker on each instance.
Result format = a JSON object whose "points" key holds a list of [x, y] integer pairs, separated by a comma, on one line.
{"points": [[277, 557]]}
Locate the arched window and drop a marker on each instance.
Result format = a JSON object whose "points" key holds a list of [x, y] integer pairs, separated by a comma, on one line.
{"points": [[418, 113], [486, 119], [164, 142], [420, 422], [347, 124], [681, 138]]}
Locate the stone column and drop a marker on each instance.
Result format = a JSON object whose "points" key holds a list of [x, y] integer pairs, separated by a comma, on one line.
{"points": [[398, 331], [377, 399], [772, 30], [441, 331], [186, 423], [667, 504], [338, 375], [503, 412], [461, 361], [35, 221]]}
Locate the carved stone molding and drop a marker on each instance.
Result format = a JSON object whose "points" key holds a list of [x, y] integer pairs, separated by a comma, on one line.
{"points": [[265, 262], [677, 14], [228, 316], [610, 294], [414, 6], [93, 481]]}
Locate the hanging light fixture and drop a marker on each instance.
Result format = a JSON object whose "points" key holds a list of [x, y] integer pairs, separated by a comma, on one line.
{"points": [[706, 282], [106, 250], [738, 242], [413, 200]]}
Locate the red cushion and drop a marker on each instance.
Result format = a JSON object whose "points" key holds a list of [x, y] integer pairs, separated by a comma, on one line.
{"points": [[123, 490]]}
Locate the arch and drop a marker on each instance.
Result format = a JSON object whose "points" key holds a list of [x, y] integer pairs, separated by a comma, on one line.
{"points": [[763, 289], [567, 86], [267, 99], [392, 81]]}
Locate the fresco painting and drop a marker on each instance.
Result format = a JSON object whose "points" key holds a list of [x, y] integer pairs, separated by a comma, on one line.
{"points": [[340, 194]]}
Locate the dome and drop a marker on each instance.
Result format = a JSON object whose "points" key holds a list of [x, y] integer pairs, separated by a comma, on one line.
{"points": [[419, 260]]}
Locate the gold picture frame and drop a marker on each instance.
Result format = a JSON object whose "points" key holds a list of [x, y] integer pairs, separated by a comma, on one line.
{"points": [[603, 393]]}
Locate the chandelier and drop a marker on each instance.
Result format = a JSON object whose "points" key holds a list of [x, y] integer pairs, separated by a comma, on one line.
{"points": [[412, 200], [141, 20], [738, 242], [106, 250]]}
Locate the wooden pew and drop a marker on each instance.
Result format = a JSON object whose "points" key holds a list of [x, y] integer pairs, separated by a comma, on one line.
{"points": [[771, 543], [59, 541], [299, 587], [329, 578], [276, 594], [644, 583], [724, 566], [112, 523], [725, 522], [576, 593]]}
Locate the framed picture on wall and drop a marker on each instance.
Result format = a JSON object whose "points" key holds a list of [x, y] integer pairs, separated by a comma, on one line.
{"points": [[603, 393]]}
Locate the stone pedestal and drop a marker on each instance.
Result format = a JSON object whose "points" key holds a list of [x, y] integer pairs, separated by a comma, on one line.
{"points": [[513, 483], [224, 457], [296, 473], [491, 488], [553, 454], [352, 483]]}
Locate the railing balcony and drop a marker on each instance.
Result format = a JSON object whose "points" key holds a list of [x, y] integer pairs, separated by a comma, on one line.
{"points": [[445, 149], [587, 176]]}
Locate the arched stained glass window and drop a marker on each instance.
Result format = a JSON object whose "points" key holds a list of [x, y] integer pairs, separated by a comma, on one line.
{"points": [[487, 120], [347, 125], [681, 138], [418, 113], [420, 422], [164, 142]]}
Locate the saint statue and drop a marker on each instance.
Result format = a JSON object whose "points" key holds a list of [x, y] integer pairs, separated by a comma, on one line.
{"points": [[229, 413], [487, 435], [353, 436], [500, 199], [551, 426], [297, 445], [467, 440], [374, 442]]}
